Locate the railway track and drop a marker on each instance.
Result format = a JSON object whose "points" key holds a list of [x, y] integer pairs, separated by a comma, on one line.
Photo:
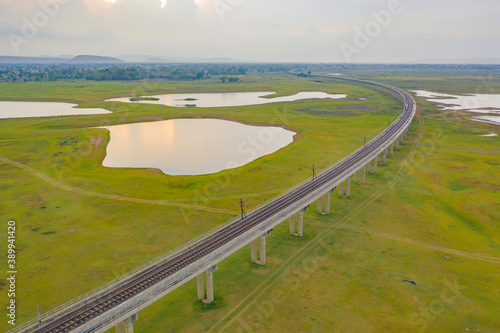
{"points": [[74, 318]]}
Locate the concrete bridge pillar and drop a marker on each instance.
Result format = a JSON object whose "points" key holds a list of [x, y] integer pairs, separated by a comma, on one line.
{"points": [[127, 326], [300, 223], [341, 189], [262, 259], [263, 249], [200, 287], [356, 177], [363, 175], [300, 227], [348, 187], [374, 170], [254, 251], [360, 175], [210, 285], [385, 157], [391, 152], [396, 143], [327, 203]]}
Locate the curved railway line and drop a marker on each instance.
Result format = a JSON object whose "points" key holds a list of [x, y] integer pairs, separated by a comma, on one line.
{"points": [[71, 319]]}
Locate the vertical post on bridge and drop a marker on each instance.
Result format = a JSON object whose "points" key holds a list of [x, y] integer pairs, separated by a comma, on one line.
{"points": [[300, 227], [385, 157], [254, 250], [127, 326], [243, 215], [341, 189], [262, 257], [348, 187], [363, 175], [210, 285], [327, 203], [200, 287], [263, 249], [300, 223]]}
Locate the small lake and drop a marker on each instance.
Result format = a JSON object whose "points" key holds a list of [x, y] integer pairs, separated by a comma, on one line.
{"points": [[191, 146], [43, 109], [475, 103], [210, 100]]}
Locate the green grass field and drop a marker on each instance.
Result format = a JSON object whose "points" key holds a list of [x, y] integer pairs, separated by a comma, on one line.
{"points": [[344, 275]]}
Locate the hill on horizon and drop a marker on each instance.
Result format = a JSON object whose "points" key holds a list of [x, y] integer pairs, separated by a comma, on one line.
{"points": [[92, 59], [80, 59]]}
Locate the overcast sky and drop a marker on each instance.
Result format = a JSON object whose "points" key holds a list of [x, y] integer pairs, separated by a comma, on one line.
{"points": [[258, 30]]}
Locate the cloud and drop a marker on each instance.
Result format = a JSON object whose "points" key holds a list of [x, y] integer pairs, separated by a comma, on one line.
{"points": [[256, 29], [97, 6], [24, 6]]}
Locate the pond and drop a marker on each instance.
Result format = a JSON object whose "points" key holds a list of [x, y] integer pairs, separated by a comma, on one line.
{"points": [[191, 146], [43, 109], [208, 100], [474, 103]]}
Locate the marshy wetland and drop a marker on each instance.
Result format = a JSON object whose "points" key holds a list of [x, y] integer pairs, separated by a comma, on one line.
{"points": [[438, 197], [226, 99]]}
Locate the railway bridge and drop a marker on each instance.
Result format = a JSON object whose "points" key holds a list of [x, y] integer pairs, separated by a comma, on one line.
{"points": [[118, 302]]}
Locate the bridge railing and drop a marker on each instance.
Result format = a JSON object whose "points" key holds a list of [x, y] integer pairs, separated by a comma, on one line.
{"points": [[101, 289]]}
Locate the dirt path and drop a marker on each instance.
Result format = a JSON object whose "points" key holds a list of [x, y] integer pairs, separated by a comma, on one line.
{"points": [[495, 152], [65, 187], [421, 244]]}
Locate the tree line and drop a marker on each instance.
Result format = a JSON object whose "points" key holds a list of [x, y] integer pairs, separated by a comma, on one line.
{"points": [[225, 72]]}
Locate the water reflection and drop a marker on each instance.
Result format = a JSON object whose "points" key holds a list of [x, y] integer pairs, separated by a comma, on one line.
{"points": [[191, 146], [207, 100], [43, 109], [475, 103]]}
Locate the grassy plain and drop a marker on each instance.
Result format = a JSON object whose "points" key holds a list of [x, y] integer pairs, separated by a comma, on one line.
{"points": [[434, 221], [73, 236], [345, 275]]}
